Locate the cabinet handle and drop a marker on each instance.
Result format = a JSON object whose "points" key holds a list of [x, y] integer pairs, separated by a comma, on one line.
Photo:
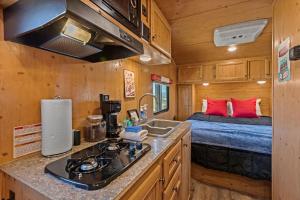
{"points": [[154, 37], [175, 160], [175, 189], [162, 180], [185, 145]]}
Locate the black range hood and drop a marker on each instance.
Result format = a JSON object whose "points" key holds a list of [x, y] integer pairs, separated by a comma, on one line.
{"points": [[68, 27]]}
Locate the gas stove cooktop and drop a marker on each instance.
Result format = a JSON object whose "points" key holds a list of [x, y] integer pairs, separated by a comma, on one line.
{"points": [[95, 167]]}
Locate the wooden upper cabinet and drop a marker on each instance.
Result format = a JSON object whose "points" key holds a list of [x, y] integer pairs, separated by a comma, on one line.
{"points": [[259, 69], [209, 73], [160, 30], [189, 74], [232, 71]]}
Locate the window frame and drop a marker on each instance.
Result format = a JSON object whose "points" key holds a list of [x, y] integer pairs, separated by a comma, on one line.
{"points": [[159, 98]]}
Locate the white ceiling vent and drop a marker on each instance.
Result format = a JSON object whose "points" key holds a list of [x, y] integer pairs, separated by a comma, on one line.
{"points": [[241, 33]]}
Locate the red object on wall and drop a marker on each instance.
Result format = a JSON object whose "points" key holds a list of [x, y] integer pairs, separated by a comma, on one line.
{"points": [[161, 79]]}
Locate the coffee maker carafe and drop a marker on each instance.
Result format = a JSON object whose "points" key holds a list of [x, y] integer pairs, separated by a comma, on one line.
{"points": [[110, 110]]}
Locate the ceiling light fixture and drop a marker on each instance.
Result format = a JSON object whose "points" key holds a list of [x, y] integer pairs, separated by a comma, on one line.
{"points": [[232, 48], [205, 84], [261, 82], [145, 58]]}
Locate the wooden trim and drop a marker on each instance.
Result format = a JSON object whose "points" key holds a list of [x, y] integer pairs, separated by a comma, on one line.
{"points": [[223, 61], [255, 188]]}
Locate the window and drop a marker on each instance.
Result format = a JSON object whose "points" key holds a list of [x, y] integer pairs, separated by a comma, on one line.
{"points": [[161, 92]]}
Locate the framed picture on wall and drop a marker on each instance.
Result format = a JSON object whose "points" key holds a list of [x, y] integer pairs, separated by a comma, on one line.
{"points": [[129, 84], [133, 114]]}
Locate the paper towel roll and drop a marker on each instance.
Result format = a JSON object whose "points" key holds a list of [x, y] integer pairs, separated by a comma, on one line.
{"points": [[57, 134]]}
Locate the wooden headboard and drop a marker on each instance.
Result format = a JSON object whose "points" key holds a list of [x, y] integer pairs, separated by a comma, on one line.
{"points": [[242, 90]]}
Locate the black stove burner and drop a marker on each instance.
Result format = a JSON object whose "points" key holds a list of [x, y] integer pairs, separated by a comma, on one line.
{"points": [[89, 164], [97, 166]]}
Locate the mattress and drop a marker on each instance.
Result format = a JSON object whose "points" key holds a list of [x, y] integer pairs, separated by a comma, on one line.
{"points": [[237, 145]]}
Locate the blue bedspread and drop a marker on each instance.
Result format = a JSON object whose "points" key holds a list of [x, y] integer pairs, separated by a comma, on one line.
{"points": [[254, 138]]}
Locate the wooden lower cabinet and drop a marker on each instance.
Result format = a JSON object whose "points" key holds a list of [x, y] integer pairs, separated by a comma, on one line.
{"points": [[15, 190], [186, 166], [172, 192], [171, 162], [167, 179], [170, 178], [150, 188]]}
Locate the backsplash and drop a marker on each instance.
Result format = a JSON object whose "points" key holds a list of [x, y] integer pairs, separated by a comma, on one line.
{"points": [[28, 75]]}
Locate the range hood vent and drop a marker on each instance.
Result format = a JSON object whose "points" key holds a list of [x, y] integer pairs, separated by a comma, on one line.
{"points": [[241, 33], [68, 27]]}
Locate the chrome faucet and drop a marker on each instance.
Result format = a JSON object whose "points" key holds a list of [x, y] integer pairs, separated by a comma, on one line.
{"points": [[141, 98]]}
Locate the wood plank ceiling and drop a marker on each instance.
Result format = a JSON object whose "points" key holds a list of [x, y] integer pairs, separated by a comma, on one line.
{"points": [[193, 22]]}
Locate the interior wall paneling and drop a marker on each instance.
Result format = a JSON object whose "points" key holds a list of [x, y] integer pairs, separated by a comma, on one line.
{"points": [[194, 21], [242, 90], [28, 75], [286, 101]]}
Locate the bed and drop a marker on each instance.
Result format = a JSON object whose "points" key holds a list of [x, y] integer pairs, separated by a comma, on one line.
{"points": [[241, 146]]}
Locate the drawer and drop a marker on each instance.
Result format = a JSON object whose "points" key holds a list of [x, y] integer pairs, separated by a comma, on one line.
{"points": [[173, 190], [171, 162]]}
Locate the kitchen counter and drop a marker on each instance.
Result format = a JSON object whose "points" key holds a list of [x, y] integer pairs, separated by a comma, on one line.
{"points": [[29, 170]]}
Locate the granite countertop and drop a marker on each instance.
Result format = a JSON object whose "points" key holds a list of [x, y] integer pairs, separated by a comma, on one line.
{"points": [[30, 171]]}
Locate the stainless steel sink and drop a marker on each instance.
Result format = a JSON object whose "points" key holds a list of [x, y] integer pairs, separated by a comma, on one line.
{"points": [[163, 123], [160, 128]]}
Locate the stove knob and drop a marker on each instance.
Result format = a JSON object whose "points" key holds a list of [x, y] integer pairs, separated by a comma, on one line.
{"points": [[139, 146]]}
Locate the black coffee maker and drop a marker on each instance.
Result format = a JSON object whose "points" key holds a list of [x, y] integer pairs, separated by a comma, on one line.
{"points": [[110, 110]]}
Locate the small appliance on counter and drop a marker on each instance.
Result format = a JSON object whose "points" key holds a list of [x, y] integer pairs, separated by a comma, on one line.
{"points": [[110, 110], [96, 128], [57, 134]]}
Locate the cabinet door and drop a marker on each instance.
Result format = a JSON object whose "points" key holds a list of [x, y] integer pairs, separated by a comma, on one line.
{"points": [[172, 192], [186, 166], [208, 73], [189, 74], [259, 69], [231, 71], [171, 162], [185, 101], [150, 189], [160, 30]]}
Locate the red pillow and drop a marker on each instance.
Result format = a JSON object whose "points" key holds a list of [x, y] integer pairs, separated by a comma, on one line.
{"points": [[216, 107], [244, 108]]}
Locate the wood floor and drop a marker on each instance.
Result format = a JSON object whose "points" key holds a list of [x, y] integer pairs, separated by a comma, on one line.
{"points": [[202, 191]]}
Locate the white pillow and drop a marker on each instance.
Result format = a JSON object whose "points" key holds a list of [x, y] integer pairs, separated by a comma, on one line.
{"points": [[204, 107], [258, 109]]}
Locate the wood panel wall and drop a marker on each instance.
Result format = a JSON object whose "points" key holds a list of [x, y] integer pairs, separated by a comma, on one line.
{"points": [[243, 90], [286, 116], [28, 75]]}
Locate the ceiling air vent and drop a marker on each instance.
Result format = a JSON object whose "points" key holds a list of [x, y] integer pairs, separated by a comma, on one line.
{"points": [[241, 33]]}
